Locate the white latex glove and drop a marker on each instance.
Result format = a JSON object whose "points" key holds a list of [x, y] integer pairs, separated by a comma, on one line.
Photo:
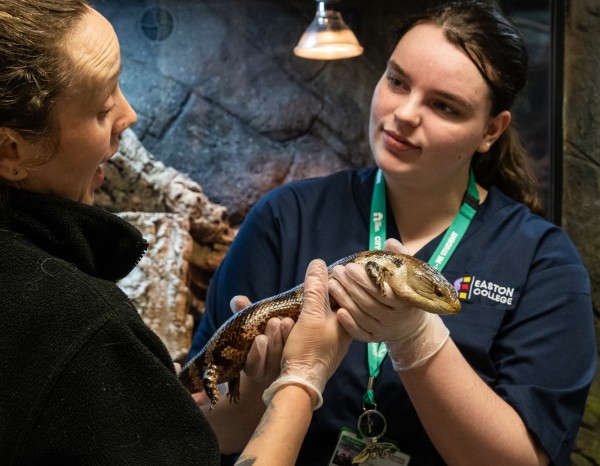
{"points": [[411, 335], [263, 362], [317, 343]]}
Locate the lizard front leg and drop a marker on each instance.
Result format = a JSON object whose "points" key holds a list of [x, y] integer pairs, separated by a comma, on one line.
{"points": [[377, 273]]}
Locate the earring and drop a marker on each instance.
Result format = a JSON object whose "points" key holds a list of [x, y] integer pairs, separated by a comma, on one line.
{"points": [[15, 172]]}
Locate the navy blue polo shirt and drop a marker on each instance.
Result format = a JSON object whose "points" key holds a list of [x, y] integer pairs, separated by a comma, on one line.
{"points": [[526, 324]]}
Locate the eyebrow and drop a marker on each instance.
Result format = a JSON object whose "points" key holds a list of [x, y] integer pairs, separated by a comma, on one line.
{"points": [[102, 86], [465, 104], [112, 80]]}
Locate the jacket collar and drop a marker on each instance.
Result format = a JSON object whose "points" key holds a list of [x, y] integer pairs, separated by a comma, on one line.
{"points": [[95, 241]]}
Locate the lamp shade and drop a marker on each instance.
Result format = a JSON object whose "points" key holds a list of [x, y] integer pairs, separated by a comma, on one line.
{"points": [[328, 37]]}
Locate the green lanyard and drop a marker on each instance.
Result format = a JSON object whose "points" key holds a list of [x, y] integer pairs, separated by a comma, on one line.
{"points": [[378, 227], [459, 226], [376, 352]]}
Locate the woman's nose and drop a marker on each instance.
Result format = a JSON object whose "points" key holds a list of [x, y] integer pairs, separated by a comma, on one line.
{"points": [[408, 112], [130, 117], [127, 117]]}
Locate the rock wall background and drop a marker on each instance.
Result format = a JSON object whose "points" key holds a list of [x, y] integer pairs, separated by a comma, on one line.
{"points": [[226, 113], [581, 180]]}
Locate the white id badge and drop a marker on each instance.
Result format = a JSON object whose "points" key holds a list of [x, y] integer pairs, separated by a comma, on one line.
{"points": [[350, 445]]}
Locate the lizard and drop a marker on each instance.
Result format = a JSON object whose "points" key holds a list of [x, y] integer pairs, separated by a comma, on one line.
{"points": [[224, 355]]}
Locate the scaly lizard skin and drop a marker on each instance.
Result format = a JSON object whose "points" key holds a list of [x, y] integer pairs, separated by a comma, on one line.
{"points": [[224, 356]]}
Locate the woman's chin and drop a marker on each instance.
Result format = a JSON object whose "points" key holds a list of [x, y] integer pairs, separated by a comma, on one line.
{"points": [[98, 177]]}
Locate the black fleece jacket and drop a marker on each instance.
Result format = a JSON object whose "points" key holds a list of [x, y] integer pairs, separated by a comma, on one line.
{"points": [[82, 380]]}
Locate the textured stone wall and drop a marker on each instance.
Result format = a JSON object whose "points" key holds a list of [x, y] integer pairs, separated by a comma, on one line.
{"points": [[581, 193], [158, 286]]}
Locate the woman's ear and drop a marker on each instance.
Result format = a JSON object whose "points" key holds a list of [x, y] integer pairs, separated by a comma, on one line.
{"points": [[495, 128], [12, 164]]}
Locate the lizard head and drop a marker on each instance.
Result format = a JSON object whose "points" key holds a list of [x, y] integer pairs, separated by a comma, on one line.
{"points": [[434, 293]]}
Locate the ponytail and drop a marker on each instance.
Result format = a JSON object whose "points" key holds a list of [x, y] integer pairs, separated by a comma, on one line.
{"points": [[506, 167]]}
